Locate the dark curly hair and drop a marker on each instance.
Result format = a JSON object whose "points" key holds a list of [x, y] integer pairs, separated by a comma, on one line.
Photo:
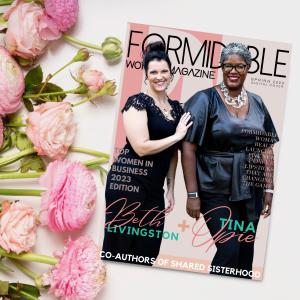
{"points": [[155, 51]]}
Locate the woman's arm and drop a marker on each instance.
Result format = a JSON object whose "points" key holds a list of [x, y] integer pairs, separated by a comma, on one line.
{"points": [[171, 181], [136, 129], [268, 159], [189, 163]]}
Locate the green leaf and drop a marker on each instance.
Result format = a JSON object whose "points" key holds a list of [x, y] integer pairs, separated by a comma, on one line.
{"points": [[27, 288], [48, 88], [28, 104], [22, 291], [32, 162], [14, 119], [8, 139], [4, 285], [24, 62], [33, 78], [23, 141], [52, 88]]}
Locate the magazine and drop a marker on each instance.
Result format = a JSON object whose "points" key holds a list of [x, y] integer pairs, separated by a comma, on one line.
{"points": [[235, 183]]}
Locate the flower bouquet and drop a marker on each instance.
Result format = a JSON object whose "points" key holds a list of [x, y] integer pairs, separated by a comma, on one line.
{"points": [[39, 128]]}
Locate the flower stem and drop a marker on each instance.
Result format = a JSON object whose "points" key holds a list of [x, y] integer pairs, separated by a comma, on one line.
{"points": [[89, 151], [25, 270], [50, 94], [45, 83], [36, 277], [4, 268], [4, 161], [6, 2], [18, 175], [88, 99], [103, 170], [62, 68], [8, 171], [95, 162], [15, 125], [20, 192], [76, 41], [29, 256], [50, 76], [24, 294], [8, 160]]}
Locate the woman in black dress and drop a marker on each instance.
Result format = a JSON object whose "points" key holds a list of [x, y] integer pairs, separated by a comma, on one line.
{"points": [[135, 205], [228, 163]]}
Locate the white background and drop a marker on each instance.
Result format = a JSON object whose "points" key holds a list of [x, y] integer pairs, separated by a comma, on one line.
{"points": [[267, 20]]}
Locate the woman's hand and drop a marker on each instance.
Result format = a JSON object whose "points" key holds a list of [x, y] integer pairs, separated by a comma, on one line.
{"points": [[183, 126], [171, 200], [268, 197], [193, 207]]}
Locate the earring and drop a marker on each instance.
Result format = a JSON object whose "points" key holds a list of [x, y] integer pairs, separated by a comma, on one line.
{"points": [[145, 81]]}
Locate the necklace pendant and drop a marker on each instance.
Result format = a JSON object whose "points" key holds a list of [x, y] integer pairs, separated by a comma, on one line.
{"points": [[236, 102]]}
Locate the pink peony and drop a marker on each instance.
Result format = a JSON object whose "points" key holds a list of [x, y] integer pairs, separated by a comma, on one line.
{"points": [[1, 132], [93, 79], [18, 228], [80, 273], [11, 83], [29, 30], [64, 13], [51, 129], [70, 198]]}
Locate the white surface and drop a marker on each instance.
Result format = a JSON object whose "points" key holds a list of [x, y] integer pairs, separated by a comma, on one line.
{"points": [[257, 19]]}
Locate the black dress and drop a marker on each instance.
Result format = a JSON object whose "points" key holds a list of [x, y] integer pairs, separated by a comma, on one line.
{"points": [[134, 191], [230, 172]]}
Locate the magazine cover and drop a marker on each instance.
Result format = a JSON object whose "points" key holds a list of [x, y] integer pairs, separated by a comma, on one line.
{"points": [[193, 169]]}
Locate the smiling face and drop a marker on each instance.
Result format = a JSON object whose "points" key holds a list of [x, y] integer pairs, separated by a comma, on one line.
{"points": [[159, 75], [235, 71]]}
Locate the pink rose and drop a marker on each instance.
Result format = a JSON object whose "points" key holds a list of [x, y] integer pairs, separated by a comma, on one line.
{"points": [[11, 84], [29, 30], [1, 132], [80, 273], [70, 198], [18, 228], [93, 79], [51, 128], [64, 13]]}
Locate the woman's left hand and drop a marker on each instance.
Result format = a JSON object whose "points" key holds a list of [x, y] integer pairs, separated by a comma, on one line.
{"points": [[268, 197], [171, 200]]}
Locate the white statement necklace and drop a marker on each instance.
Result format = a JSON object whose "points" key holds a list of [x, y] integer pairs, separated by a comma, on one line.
{"points": [[236, 102]]}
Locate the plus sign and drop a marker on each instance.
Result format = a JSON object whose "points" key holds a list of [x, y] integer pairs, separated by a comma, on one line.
{"points": [[183, 225]]}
